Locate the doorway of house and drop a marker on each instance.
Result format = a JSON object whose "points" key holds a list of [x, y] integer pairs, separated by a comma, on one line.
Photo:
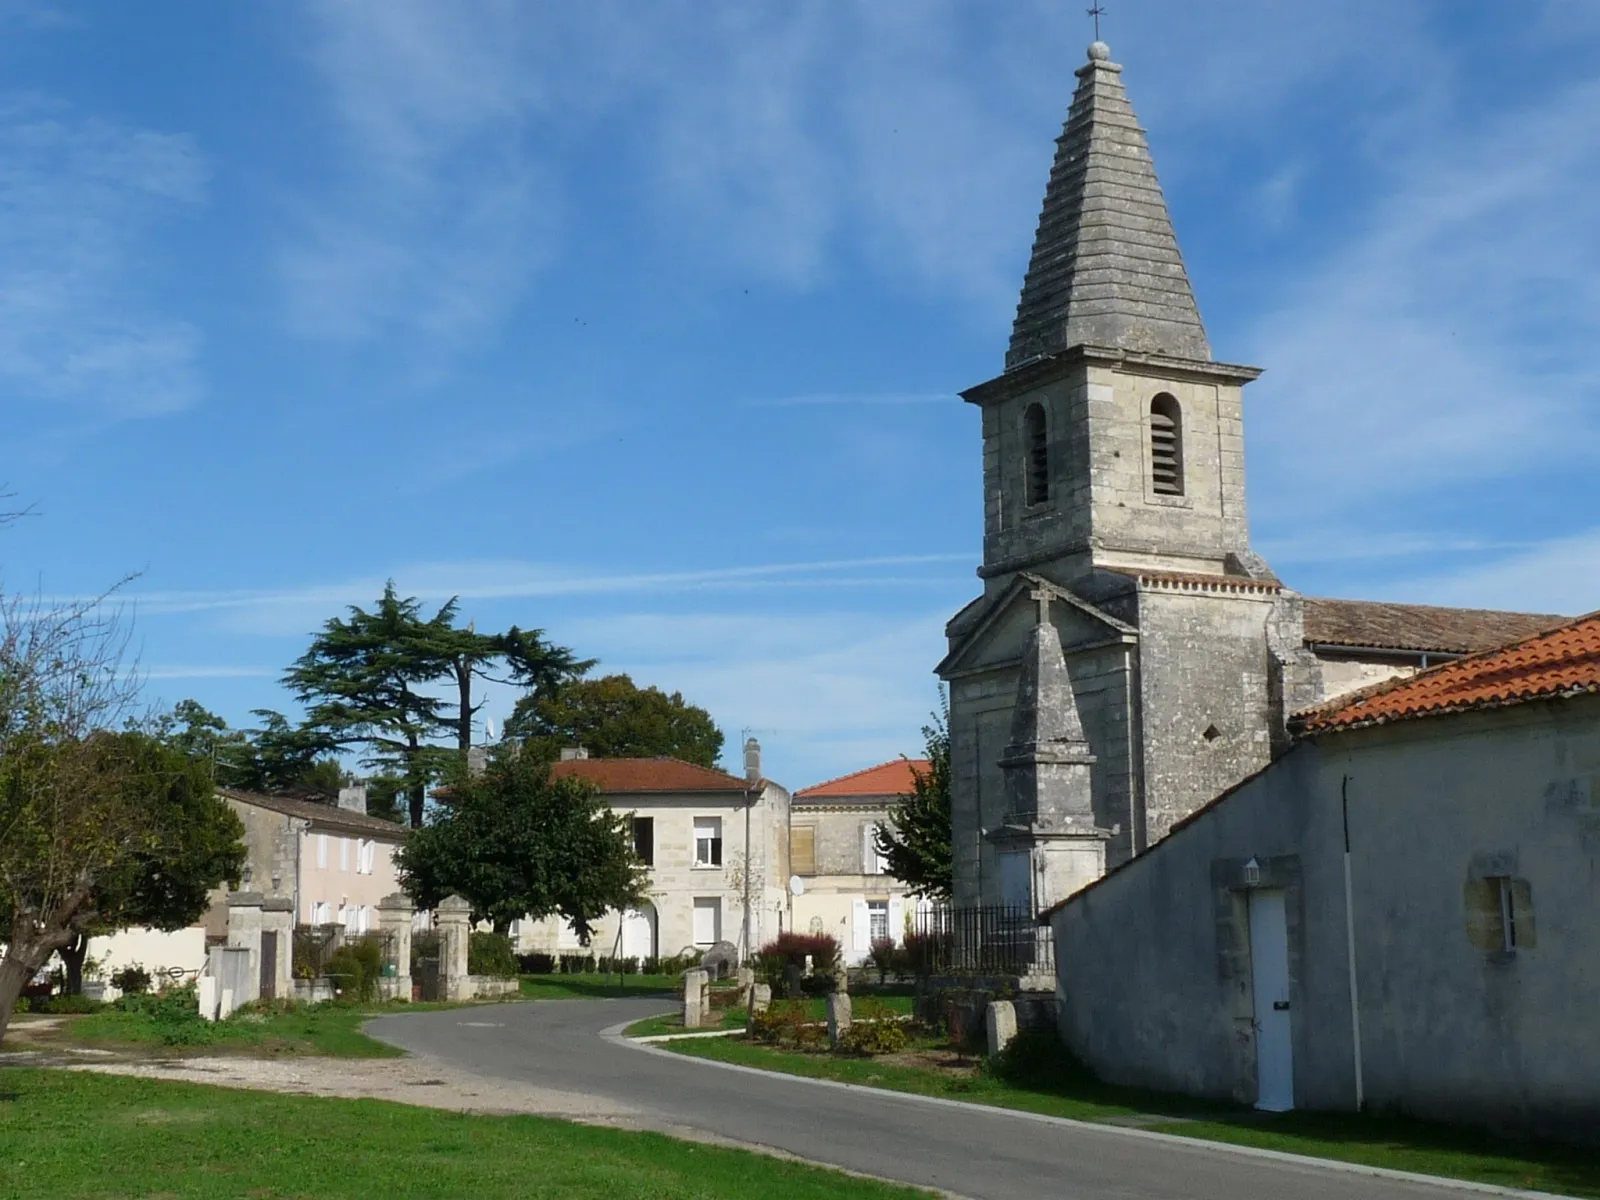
{"points": [[1269, 978], [639, 932], [269, 964]]}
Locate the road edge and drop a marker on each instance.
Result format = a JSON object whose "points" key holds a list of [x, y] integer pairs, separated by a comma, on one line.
{"points": [[613, 1034]]}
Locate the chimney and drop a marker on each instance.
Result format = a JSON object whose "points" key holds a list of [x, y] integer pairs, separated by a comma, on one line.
{"points": [[477, 760], [752, 760], [573, 753], [353, 797]]}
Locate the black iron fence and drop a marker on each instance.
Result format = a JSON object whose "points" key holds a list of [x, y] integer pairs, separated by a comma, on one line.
{"points": [[983, 940]]}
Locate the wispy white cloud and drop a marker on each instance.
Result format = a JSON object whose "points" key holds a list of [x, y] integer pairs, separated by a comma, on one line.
{"points": [[1561, 575], [1452, 340], [78, 199], [208, 672]]}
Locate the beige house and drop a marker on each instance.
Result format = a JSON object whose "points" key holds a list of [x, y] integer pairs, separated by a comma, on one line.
{"points": [[718, 851], [334, 862], [1399, 913], [844, 885]]}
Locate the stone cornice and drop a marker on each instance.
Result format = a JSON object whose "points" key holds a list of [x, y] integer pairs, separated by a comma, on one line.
{"points": [[1047, 368]]}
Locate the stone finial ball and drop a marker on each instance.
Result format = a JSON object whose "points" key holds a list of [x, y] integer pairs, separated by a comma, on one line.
{"points": [[1099, 51]]}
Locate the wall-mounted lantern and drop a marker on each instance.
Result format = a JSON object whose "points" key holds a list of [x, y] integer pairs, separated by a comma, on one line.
{"points": [[1252, 874]]}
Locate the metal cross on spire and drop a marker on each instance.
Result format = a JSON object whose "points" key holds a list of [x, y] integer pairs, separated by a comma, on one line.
{"points": [[1096, 12]]}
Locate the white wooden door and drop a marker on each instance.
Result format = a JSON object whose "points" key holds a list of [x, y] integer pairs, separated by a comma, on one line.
{"points": [[1269, 978], [639, 932]]}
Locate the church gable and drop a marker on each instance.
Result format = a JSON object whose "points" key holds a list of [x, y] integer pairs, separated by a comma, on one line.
{"points": [[997, 636]]}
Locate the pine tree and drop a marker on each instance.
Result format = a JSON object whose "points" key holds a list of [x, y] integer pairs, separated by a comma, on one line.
{"points": [[916, 842]]}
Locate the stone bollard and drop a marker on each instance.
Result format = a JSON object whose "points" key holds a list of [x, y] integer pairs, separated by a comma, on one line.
{"points": [[694, 997], [746, 979], [838, 1017], [1000, 1023]]}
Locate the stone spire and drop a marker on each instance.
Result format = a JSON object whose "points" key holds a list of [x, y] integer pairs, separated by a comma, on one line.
{"points": [[1047, 762], [1105, 270]]}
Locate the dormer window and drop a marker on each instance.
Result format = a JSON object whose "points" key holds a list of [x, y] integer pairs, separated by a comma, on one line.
{"points": [[1166, 446], [1035, 436]]}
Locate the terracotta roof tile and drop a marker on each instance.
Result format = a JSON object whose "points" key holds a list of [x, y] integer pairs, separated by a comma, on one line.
{"points": [[1376, 625], [1560, 662], [886, 779], [648, 775]]}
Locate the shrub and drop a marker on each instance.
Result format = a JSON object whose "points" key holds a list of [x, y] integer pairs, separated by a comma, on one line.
{"points": [[174, 1015], [490, 954], [577, 964], [131, 980], [536, 964], [69, 1004], [792, 948], [1035, 1057], [22, 1005], [355, 967], [622, 966], [786, 1023], [876, 1030], [885, 956]]}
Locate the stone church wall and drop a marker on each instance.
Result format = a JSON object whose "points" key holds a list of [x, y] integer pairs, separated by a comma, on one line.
{"points": [[1207, 708]]}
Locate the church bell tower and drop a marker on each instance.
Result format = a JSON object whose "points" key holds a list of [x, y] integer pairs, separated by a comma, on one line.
{"points": [[1112, 439]]}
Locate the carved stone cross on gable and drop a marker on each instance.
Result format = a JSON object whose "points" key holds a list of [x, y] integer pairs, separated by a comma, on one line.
{"points": [[1042, 598]]}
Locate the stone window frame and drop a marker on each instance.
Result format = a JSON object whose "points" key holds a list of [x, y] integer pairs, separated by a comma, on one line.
{"points": [[1035, 438], [1180, 497], [1495, 886], [713, 859]]}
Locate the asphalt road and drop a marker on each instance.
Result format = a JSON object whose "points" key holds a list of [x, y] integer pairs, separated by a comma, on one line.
{"points": [[962, 1149]]}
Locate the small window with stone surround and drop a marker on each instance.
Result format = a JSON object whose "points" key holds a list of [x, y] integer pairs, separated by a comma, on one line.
{"points": [[1499, 914], [1037, 475], [1166, 446]]}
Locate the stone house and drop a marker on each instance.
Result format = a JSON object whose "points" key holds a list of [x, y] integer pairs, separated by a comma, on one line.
{"points": [[333, 862], [1130, 655], [717, 847], [845, 889], [1397, 913]]}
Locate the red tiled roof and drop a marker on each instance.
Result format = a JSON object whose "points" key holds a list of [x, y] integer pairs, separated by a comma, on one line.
{"points": [[647, 775], [886, 779], [1560, 662], [1375, 625]]}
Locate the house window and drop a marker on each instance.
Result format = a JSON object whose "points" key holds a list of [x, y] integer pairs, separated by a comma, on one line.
{"points": [[878, 919], [1499, 910], [1166, 446], [644, 840], [322, 850], [707, 842], [872, 863], [1038, 455], [803, 850], [707, 920]]}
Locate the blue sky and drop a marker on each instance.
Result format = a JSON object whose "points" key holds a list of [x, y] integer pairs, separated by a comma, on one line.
{"points": [[643, 324]]}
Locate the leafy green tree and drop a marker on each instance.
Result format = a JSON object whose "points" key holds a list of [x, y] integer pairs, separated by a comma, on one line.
{"points": [[916, 841], [611, 717], [516, 842], [278, 757], [371, 680], [195, 842]]}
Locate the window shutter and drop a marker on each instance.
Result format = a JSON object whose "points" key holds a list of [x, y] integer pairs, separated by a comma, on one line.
{"points": [[1166, 446], [860, 927], [322, 850], [869, 853], [803, 850], [344, 854]]}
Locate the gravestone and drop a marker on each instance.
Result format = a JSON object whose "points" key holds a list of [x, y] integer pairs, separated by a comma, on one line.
{"points": [[838, 1016], [760, 997], [1000, 1023], [791, 982], [694, 997], [721, 960]]}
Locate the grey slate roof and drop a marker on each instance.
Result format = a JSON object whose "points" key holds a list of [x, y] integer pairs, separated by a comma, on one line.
{"points": [[1105, 269]]}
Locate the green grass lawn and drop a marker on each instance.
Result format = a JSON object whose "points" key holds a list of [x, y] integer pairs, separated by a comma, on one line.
{"points": [[81, 1135], [735, 1018], [1396, 1143], [596, 986]]}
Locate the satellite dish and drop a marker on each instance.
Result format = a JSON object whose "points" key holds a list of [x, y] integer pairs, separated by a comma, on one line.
{"points": [[797, 886]]}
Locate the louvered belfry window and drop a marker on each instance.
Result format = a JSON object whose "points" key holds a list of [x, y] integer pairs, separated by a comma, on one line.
{"points": [[1038, 465], [1166, 446]]}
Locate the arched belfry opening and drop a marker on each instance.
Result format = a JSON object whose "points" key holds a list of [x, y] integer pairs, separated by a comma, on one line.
{"points": [[1166, 446], [1036, 438]]}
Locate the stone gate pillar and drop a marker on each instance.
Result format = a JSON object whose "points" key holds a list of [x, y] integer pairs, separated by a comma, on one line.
{"points": [[394, 921], [277, 924], [455, 927], [244, 933]]}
